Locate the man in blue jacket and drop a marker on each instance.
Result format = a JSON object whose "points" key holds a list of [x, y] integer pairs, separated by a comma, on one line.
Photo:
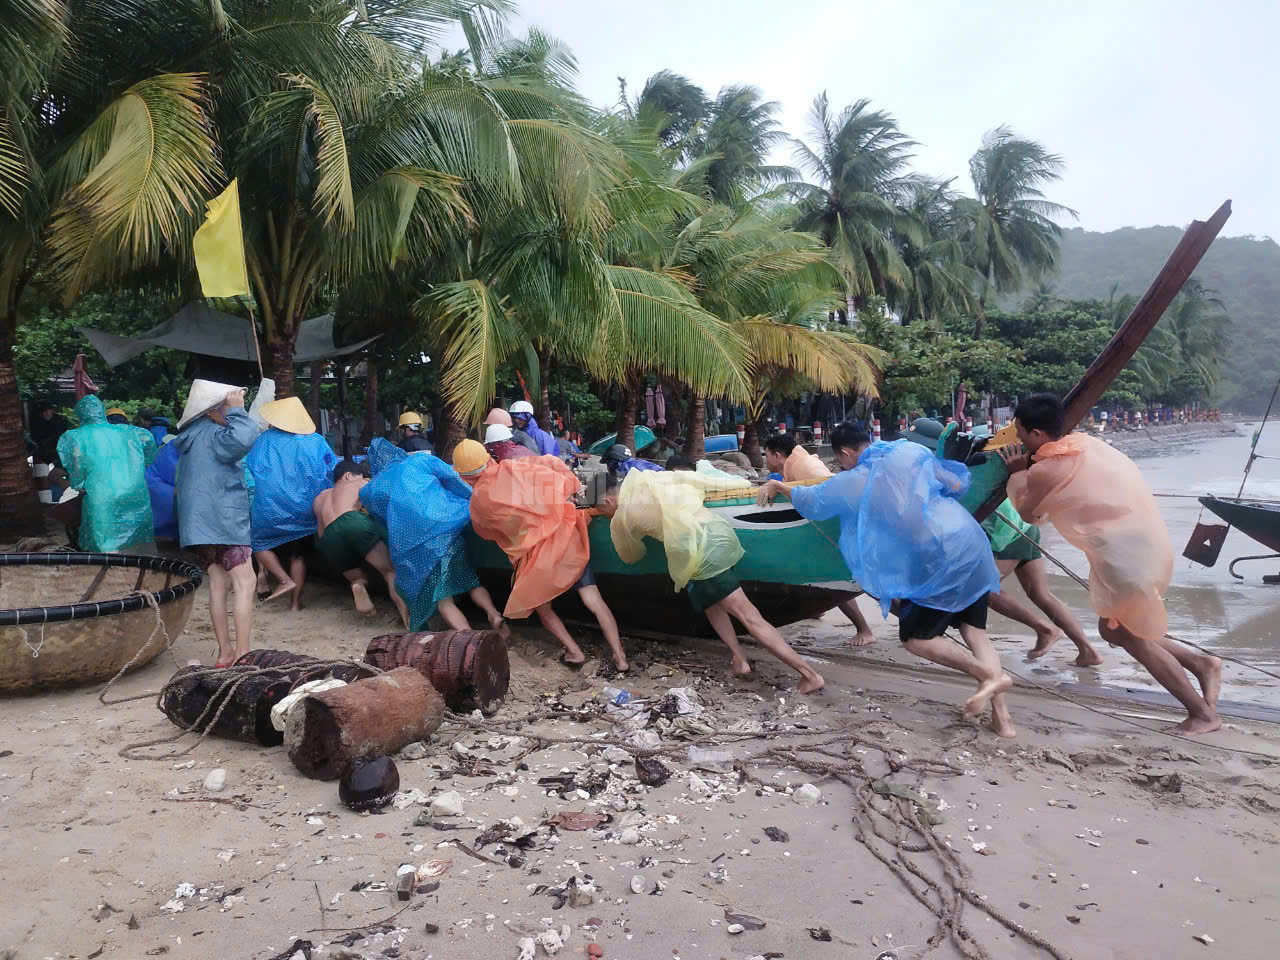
{"points": [[522, 419], [214, 435]]}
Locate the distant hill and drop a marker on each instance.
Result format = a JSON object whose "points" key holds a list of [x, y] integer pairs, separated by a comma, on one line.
{"points": [[1244, 270]]}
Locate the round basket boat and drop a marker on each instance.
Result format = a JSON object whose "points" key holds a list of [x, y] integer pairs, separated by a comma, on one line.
{"points": [[68, 619]]}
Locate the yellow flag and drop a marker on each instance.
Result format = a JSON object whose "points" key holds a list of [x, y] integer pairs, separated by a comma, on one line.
{"points": [[219, 247]]}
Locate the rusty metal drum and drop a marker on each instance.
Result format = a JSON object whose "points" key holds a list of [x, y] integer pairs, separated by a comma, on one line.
{"points": [[468, 668]]}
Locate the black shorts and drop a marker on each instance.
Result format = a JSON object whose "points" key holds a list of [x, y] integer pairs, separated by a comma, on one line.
{"points": [[588, 579], [920, 623], [707, 593], [294, 548]]}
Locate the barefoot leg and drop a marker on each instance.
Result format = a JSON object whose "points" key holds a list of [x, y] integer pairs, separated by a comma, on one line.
{"points": [[1034, 578], [551, 620], [271, 564], [380, 559], [1013, 608], [1207, 669], [1169, 671], [765, 634], [359, 591], [452, 616], [862, 636], [608, 625], [242, 601], [298, 571], [723, 626], [480, 597]]}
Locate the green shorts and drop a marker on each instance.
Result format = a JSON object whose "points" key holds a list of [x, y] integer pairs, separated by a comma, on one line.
{"points": [[709, 592], [1021, 550], [348, 539]]}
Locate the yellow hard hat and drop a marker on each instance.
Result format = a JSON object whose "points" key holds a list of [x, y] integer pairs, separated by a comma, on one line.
{"points": [[470, 457], [116, 412], [408, 418]]}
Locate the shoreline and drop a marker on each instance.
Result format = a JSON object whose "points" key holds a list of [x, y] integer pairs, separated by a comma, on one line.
{"points": [[1107, 840]]}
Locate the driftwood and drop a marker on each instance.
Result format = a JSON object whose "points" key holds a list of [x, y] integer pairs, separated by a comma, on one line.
{"points": [[1140, 322], [247, 715], [326, 731], [469, 668]]}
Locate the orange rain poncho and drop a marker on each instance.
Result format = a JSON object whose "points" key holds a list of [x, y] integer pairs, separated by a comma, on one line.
{"points": [[803, 465], [1099, 502], [523, 506]]}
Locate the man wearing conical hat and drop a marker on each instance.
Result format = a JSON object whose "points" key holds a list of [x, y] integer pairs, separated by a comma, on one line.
{"points": [[291, 465], [525, 507], [214, 435]]}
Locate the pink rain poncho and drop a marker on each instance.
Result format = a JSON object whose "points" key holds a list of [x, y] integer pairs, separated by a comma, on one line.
{"points": [[803, 465], [1098, 501]]}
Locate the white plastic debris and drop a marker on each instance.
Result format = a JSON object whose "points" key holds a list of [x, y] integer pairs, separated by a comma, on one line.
{"points": [[807, 795], [645, 739], [553, 941], [713, 761], [1203, 938], [173, 906], [447, 804], [184, 891], [460, 749], [402, 801], [697, 786], [280, 712], [215, 780], [616, 755], [687, 701]]}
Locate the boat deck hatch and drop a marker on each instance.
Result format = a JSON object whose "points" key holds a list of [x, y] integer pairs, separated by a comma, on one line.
{"points": [[770, 516]]}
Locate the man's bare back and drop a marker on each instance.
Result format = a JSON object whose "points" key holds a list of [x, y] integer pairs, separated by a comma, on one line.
{"points": [[342, 498]]}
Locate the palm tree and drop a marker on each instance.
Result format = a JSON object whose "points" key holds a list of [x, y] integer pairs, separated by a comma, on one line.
{"points": [[680, 102], [105, 158], [860, 164], [737, 139], [1199, 324], [1012, 231], [939, 282]]}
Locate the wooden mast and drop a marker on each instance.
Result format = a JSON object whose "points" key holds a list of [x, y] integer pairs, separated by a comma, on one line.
{"points": [[1140, 322]]}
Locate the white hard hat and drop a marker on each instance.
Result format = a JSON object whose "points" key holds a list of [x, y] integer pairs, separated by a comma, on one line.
{"points": [[496, 432], [522, 406]]}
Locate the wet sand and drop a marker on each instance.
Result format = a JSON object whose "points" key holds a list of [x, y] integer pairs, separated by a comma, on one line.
{"points": [[1108, 841]]}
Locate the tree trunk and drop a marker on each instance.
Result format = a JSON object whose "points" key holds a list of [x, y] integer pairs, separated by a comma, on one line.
{"points": [[752, 442], [20, 513], [372, 418], [694, 444], [317, 377], [280, 364], [626, 420], [448, 434], [544, 391]]}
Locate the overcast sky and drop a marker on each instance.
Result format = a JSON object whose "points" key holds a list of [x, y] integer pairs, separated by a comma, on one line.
{"points": [[1161, 108]]}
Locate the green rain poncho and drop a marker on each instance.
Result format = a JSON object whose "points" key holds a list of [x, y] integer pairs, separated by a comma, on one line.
{"points": [[107, 463]]}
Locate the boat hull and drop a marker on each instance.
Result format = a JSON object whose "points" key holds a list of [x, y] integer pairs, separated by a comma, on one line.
{"points": [[1260, 521]]}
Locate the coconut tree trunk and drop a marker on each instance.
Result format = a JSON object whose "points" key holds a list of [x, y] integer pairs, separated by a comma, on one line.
{"points": [[544, 390], [626, 419], [372, 418], [280, 362], [751, 442], [317, 376], [448, 434], [20, 513], [695, 439]]}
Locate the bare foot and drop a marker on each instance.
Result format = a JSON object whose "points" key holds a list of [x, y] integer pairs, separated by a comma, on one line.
{"points": [[1210, 682], [1089, 657], [741, 668], [286, 586], [1045, 640], [621, 665], [500, 625], [296, 605], [1002, 727], [811, 684], [1192, 726], [863, 638], [361, 595], [976, 704]]}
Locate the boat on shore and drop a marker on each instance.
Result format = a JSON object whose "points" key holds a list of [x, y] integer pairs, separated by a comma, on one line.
{"points": [[792, 568]]}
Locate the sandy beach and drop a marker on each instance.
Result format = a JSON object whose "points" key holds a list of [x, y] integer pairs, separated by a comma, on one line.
{"points": [[1087, 837]]}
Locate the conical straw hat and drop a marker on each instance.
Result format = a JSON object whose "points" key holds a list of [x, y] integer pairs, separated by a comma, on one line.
{"points": [[204, 396], [288, 415]]}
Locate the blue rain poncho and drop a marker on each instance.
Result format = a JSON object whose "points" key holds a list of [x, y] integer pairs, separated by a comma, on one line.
{"points": [[213, 485], [425, 507], [547, 444], [289, 471], [162, 477], [902, 531], [108, 462], [624, 467]]}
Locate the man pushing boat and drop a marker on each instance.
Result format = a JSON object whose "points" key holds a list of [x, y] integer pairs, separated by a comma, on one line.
{"points": [[1098, 501], [905, 537], [701, 549]]}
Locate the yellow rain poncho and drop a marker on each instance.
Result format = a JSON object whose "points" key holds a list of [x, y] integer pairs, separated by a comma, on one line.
{"points": [[668, 507], [1099, 502]]}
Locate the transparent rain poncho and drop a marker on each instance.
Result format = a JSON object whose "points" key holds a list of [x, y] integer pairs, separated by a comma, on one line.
{"points": [[425, 507], [669, 507], [902, 531], [1096, 498], [289, 471], [108, 462]]}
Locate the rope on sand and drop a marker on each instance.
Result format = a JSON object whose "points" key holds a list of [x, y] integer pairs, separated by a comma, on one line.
{"points": [[911, 835]]}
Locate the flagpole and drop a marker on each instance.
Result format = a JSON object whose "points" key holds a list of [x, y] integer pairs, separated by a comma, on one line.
{"points": [[253, 325]]}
